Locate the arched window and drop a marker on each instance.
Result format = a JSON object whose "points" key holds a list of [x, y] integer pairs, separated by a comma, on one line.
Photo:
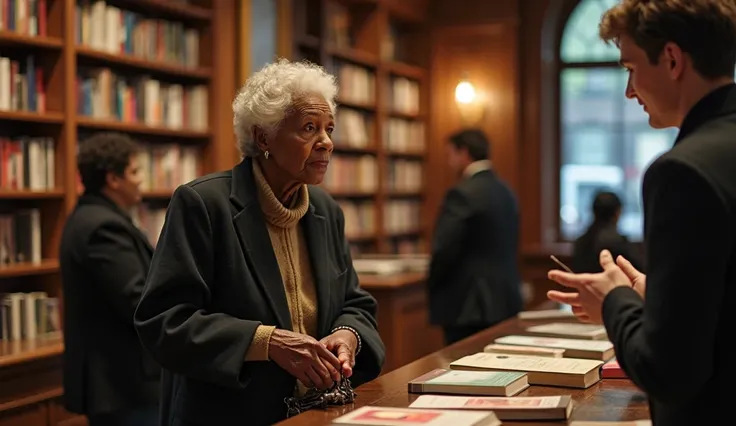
{"points": [[605, 139]]}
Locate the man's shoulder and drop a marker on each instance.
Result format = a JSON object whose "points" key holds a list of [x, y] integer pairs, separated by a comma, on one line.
{"points": [[89, 220], [710, 145], [708, 153], [88, 217]]}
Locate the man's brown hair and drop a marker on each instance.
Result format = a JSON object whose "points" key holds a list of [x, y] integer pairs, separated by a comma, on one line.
{"points": [[704, 29]]}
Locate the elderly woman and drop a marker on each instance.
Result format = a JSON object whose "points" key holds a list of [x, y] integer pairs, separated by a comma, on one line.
{"points": [[251, 296]]}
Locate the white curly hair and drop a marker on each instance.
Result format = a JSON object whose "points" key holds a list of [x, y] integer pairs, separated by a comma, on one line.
{"points": [[268, 94]]}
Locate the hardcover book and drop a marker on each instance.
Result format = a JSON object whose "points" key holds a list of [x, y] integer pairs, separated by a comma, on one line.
{"points": [[629, 423], [488, 383], [574, 348], [517, 408], [548, 314], [611, 370], [572, 331], [566, 372], [389, 416], [524, 350]]}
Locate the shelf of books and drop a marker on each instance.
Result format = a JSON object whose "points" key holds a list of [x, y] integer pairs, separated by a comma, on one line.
{"points": [[376, 173], [69, 69]]}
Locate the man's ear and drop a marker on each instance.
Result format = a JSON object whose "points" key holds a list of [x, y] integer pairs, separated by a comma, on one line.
{"points": [[674, 58], [261, 139], [112, 180]]}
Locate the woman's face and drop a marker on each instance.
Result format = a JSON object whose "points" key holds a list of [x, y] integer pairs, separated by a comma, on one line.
{"points": [[301, 148]]}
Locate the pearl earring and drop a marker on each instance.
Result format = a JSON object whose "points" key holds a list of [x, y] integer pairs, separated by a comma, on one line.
{"points": [[265, 154]]}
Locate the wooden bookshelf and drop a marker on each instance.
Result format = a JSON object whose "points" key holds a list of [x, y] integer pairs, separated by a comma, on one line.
{"points": [[65, 50], [378, 51]]}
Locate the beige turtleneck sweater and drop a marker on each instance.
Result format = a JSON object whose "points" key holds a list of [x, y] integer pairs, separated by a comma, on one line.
{"points": [[292, 254]]}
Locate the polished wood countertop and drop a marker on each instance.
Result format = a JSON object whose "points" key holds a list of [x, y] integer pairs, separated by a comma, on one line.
{"points": [[609, 399], [393, 281]]}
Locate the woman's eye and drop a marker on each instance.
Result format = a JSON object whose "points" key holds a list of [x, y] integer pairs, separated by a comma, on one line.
{"points": [[330, 130], [309, 127]]}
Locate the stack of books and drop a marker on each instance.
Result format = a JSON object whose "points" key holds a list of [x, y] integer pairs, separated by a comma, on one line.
{"points": [[488, 387]]}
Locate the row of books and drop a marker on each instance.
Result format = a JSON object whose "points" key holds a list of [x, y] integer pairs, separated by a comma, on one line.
{"points": [[20, 237], [110, 29], [27, 164], [21, 85], [165, 167], [348, 173], [483, 388], [101, 93], [358, 86], [27, 316], [27, 17], [355, 129]]}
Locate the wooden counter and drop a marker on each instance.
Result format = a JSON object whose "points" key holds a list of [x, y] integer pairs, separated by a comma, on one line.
{"points": [[611, 399], [403, 317]]}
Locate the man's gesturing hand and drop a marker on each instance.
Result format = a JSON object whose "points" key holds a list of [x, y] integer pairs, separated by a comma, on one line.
{"points": [[305, 358], [591, 288], [343, 343]]}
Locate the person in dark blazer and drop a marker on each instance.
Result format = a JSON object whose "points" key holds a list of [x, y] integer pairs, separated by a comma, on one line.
{"points": [[252, 296], [474, 281], [672, 329], [603, 234], [104, 260]]}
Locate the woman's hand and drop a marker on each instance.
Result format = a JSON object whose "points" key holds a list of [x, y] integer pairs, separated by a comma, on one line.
{"points": [[305, 358], [343, 343]]}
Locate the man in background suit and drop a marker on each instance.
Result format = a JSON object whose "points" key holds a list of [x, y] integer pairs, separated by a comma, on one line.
{"points": [[672, 329], [474, 280], [104, 261]]}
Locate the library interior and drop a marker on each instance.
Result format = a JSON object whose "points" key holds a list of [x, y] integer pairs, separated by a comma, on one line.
{"points": [[532, 76]]}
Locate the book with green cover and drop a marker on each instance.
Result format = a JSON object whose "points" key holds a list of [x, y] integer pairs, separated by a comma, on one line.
{"points": [[489, 383]]}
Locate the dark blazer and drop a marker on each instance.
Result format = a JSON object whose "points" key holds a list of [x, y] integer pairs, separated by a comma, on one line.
{"points": [[587, 249], [104, 260], [214, 278], [676, 346], [473, 275]]}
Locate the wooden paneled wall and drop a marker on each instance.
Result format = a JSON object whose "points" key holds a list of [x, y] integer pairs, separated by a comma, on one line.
{"points": [[509, 51]]}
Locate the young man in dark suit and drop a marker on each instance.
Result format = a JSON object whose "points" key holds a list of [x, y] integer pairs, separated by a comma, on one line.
{"points": [[473, 279], [672, 328], [104, 262]]}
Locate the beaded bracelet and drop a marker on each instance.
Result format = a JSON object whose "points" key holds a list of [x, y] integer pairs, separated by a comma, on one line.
{"points": [[355, 332]]}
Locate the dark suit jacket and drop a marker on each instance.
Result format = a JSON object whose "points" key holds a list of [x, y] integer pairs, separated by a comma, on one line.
{"points": [[675, 346], [104, 260], [214, 278], [587, 249], [473, 274]]}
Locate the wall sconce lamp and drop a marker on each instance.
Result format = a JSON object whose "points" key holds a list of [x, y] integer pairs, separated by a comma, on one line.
{"points": [[469, 102]]}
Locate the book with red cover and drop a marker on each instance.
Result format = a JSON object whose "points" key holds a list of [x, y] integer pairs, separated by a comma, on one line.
{"points": [[611, 370]]}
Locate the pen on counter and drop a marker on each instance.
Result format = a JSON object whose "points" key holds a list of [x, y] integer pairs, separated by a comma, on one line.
{"points": [[562, 265]]}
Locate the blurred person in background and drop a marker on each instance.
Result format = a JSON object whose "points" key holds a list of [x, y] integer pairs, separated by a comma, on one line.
{"points": [[104, 259], [603, 234], [474, 280]]}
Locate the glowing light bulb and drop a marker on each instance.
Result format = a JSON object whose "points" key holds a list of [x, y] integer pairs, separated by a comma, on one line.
{"points": [[464, 92]]}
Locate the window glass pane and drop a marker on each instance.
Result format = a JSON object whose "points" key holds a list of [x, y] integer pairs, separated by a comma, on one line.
{"points": [[580, 41], [606, 144]]}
